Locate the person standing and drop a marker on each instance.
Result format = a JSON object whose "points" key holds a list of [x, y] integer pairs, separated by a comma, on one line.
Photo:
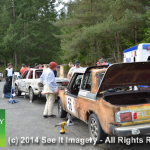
{"points": [[23, 69], [58, 71], [70, 64], [72, 69], [9, 72], [103, 62], [50, 89], [97, 64], [40, 66], [36, 66]]}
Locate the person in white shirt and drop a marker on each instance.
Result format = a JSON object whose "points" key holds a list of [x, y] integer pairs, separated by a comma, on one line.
{"points": [[9, 72], [72, 69], [50, 89]]}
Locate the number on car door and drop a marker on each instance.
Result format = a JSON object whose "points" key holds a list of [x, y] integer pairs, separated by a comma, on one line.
{"points": [[70, 104]]}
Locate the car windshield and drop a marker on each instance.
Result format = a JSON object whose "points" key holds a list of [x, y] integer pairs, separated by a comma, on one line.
{"points": [[99, 77]]}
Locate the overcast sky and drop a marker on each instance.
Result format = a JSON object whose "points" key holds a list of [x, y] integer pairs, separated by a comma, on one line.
{"points": [[58, 8]]}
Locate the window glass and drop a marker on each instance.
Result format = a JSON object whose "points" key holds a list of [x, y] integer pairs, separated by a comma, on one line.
{"points": [[99, 77], [87, 81], [30, 75], [25, 74], [38, 73], [74, 85]]}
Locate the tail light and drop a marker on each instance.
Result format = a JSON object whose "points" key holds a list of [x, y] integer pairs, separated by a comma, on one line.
{"points": [[134, 115], [64, 83], [40, 85], [134, 53], [125, 116], [123, 56]]}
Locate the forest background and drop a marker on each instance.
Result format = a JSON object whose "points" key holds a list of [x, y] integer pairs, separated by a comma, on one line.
{"points": [[33, 31]]}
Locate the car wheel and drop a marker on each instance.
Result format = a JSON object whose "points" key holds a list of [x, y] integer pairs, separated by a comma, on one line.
{"points": [[17, 91], [95, 130], [62, 113], [32, 96]]}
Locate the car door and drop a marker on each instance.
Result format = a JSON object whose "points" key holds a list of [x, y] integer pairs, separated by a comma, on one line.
{"points": [[29, 80], [72, 92], [23, 80]]}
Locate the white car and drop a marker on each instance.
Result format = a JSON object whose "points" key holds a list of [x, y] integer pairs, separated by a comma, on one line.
{"points": [[137, 53], [29, 83]]}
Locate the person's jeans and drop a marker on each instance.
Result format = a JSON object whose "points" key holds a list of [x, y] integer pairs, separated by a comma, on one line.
{"points": [[8, 95]]}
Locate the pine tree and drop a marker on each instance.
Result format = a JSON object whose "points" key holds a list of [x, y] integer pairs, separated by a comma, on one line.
{"points": [[27, 32], [99, 28]]}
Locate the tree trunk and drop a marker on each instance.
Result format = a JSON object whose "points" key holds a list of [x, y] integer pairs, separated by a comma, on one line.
{"points": [[136, 34], [15, 34], [95, 54], [136, 30], [117, 45], [24, 27], [91, 5], [15, 60]]}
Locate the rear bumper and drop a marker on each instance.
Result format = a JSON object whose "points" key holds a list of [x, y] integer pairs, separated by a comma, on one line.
{"points": [[129, 130]]}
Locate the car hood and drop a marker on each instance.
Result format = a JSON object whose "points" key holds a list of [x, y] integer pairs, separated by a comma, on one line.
{"points": [[125, 74]]}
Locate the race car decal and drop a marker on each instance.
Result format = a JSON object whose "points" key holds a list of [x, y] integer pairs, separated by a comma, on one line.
{"points": [[70, 104]]}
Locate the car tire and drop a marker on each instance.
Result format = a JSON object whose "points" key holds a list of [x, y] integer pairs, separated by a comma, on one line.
{"points": [[18, 92], [95, 130], [32, 96], [56, 99], [61, 113]]}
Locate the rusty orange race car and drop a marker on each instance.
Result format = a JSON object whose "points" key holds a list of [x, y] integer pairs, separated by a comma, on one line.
{"points": [[112, 100]]}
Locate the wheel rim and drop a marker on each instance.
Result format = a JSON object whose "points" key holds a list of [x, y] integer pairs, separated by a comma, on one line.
{"points": [[31, 94], [59, 108], [94, 128]]}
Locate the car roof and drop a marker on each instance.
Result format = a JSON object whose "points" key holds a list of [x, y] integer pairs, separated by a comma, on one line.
{"points": [[93, 68], [35, 69], [80, 70]]}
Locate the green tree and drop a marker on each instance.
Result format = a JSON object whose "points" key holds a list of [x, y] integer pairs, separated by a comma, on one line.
{"points": [[27, 32], [104, 28]]}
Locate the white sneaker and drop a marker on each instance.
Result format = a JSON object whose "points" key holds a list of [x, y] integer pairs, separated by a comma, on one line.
{"points": [[14, 95]]}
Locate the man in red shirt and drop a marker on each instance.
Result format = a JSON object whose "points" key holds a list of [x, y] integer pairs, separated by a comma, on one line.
{"points": [[23, 69]]}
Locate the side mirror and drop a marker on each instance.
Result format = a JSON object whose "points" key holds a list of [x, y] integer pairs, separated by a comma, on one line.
{"points": [[19, 77]]}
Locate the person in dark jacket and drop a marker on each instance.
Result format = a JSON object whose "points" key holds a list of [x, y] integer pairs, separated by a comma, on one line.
{"points": [[7, 88]]}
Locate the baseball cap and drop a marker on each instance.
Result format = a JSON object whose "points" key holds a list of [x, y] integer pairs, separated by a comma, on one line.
{"points": [[77, 62]]}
